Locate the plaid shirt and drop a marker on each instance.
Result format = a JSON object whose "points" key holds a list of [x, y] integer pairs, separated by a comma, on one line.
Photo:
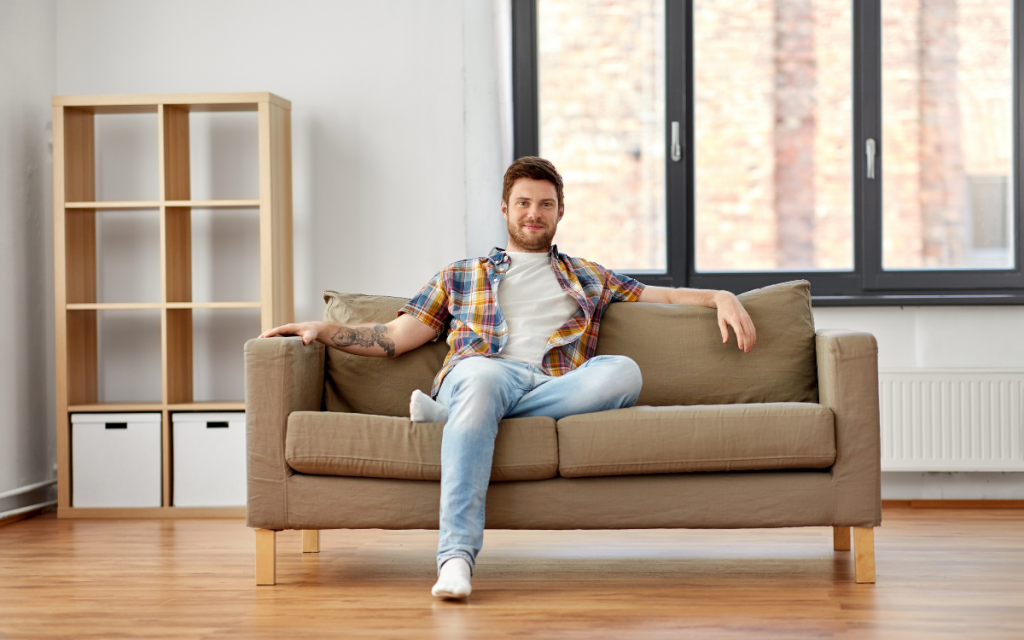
{"points": [[461, 299]]}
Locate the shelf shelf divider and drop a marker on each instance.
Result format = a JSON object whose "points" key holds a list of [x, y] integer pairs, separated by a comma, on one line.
{"points": [[222, 405], [142, 407], [150, 512], [178, 356], [215, 204], [130, 306], [115, 407], [113, 306], [111, 204], [214, 305], [234, 203]]}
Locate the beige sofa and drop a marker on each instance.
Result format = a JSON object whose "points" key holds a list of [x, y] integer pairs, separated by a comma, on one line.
{"points": [[785, 436]]}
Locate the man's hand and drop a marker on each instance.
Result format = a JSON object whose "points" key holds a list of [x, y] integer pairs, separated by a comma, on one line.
{"points": [[305, 330], [730, 311], [732, 314]]}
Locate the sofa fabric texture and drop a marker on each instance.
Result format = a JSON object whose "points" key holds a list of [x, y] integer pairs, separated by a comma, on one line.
{"points": [[848, 385], [679, 350], [787, 435], [282, 376], [732, 437], [375, 386], [684, 362], [348, 444], [691, 500]]}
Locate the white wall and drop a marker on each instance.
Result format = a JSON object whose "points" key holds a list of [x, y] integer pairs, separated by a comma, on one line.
{"points": [[487, 29], [400, 136], [380, 108], [398, 150], [27, 441], [912, 337]]}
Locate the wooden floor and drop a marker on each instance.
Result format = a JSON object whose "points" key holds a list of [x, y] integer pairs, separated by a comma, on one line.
{"points": [[941, 574]]}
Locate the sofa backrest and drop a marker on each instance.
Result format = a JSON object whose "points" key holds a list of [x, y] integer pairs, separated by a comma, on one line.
{"points": [[683, 361], [378, 386], [679, 350]]}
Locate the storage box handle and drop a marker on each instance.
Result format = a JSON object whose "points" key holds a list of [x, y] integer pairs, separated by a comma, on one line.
{"points": [[216, 425], [116, 425]]}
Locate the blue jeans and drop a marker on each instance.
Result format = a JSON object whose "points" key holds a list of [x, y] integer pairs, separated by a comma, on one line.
{"points": [[478, 392]]}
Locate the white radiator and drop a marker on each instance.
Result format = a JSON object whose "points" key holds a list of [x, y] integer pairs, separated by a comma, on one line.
{"points": [[959, 419]]}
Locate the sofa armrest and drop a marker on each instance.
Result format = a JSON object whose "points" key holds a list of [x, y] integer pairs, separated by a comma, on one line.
{"points": [[281, 376], [848, 385]]}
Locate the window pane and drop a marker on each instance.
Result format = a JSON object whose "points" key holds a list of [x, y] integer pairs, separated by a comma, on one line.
{"points": [[773, 128], [947, 79], [602, 123]]}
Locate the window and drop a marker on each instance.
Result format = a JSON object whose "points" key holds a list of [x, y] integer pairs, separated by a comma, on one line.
{"points": [[870, 147]]}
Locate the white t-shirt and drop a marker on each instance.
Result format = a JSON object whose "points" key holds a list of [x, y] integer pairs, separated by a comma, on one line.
{"points": [[534, 306]]}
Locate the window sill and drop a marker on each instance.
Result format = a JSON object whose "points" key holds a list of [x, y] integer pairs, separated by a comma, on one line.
{"points": [[919, 300]]}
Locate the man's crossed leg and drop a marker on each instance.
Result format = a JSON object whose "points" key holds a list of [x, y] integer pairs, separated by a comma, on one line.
{"points": [[477, 393]]}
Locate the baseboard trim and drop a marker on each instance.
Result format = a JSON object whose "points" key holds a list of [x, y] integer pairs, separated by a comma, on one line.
{"points": [[23, 516], [955, 504], [150, 512]]}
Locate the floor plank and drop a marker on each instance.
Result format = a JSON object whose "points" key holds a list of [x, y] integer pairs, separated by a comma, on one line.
{"points": [[942, 573]]}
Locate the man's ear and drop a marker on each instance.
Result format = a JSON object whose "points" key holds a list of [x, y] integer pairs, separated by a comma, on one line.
{"points": [[561, 212], [504, 210]]}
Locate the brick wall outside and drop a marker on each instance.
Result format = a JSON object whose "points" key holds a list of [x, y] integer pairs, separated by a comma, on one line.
{"points": [[947, 82], [773, 128], [602, 111]]}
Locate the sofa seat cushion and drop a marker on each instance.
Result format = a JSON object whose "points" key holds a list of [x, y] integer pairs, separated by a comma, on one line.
{"points": [[369, 446], [647, 440]]}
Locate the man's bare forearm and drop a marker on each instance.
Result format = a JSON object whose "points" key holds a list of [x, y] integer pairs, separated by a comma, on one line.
{"points": [[402, 334], [361, 339], [696, 297]]}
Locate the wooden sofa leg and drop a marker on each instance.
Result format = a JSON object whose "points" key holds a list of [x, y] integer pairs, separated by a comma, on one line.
{"points": [[310, 541], [841, 538], [266, 557], [864, 553]]}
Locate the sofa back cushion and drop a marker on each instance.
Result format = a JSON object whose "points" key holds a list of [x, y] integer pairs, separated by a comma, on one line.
{"points": [[679, 350], [378, 386], [683, 361]]}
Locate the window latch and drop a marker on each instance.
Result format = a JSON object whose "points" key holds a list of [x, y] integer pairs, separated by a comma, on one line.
{"points": [[869, 150], [677, 149]]}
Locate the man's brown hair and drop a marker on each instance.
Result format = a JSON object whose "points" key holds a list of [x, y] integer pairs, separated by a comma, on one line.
{"points": [[536, 169]]}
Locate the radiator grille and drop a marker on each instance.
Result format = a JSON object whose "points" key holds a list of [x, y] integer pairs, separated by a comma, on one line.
{"points": [[952, 419]]}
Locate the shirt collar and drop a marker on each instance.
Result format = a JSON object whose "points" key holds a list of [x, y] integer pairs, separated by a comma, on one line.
{"points": [[498, 255]]}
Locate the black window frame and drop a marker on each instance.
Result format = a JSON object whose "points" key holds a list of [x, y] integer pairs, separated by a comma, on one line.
{"points": [[868, 284]]}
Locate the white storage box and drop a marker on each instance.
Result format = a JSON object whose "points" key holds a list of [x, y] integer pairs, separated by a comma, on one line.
{"points": [[115, 460], [209, 459]]}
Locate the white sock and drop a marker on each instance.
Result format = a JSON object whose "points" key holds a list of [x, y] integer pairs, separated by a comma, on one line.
{"points": [[424, 409], [453, 580]]}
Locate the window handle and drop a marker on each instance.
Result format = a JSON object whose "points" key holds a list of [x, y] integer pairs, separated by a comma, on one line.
{"points": [[677, 149], [869, 150]]}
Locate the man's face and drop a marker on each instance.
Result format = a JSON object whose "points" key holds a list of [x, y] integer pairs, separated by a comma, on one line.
{"points": [[532, 215]]}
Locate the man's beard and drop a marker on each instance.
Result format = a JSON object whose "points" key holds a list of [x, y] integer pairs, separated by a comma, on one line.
{"points": [[532, 243]]}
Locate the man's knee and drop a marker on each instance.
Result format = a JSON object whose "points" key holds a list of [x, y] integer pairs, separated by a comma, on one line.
{"points": [[622, 374]]}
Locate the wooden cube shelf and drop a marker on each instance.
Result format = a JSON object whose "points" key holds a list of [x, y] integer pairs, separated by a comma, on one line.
{"points": [[75, 207]]}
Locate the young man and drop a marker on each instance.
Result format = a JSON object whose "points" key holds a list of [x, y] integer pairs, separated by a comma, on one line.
{"points": [[522, 327]]}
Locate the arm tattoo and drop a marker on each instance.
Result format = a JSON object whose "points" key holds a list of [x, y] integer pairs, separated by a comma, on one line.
{"points": [[365, 337]]}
